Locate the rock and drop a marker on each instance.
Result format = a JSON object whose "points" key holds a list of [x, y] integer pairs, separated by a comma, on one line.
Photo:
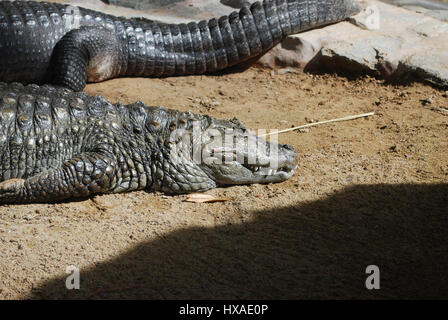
{"points": [[158, 4], [393, 149], [415, 8], [309, 120], [375, 54], [188, 10], [286, 71], [434, 9], [430, 66], [161, 15], [292, 52], [431, 28], [369, 19], [427, 4], [441, 15], [144, 4], [399, 48], [426, 101], [236, 4]]}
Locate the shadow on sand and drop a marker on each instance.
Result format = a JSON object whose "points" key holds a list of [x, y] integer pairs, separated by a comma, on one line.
{"points": [[310, 250]]}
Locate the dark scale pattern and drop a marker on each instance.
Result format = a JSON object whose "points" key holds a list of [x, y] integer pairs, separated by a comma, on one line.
{"points": [[40, 43], [56, 144], [65, 144]]}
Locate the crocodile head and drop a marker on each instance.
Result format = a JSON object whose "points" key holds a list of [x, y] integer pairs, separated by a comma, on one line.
{"points": [[200, 153], [234, 155]]}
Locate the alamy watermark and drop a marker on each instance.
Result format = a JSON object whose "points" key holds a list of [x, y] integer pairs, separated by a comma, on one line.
{"points": [[373, 280], [73, 280], [369, 19], [72, 17]]}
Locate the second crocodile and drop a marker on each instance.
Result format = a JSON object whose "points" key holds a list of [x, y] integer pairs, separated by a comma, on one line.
{"points": [[44, 42]]}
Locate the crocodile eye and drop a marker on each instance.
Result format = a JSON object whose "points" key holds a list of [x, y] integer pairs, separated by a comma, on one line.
{"points": [[173, 126]]}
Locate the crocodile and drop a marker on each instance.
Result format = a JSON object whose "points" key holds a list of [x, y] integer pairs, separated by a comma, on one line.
{"points": [[57, 144], [69, 46]]}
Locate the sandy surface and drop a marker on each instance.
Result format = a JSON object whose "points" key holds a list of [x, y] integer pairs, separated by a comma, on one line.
{"points": [[367, 191]]}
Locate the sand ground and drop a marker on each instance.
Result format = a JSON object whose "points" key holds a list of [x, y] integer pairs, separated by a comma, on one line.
{"points": [[371, 191]]}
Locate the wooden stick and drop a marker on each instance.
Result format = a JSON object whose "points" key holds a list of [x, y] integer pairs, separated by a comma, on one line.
{"points": [[321, 122]]}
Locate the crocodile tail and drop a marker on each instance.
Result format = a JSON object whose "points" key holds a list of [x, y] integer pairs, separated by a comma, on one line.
{"points": [[208, 46]]}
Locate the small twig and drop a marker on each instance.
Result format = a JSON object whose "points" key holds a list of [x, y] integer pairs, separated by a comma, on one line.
{"points": [[321, 122]]}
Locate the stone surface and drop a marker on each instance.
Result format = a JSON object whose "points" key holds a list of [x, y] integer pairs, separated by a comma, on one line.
{"points": [[376, 54], [143, 4], [233, 3], [441, 15], [427, 4], [434, 9], [429, 66], [397, 49], [183, 9]]}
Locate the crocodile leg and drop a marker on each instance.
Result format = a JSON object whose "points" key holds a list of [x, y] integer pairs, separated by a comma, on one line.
{"points": [[88, 174], [87, 54]]}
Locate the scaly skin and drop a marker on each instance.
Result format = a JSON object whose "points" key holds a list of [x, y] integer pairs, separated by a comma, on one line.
{"points": [[57, 144], [46, 42]]}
